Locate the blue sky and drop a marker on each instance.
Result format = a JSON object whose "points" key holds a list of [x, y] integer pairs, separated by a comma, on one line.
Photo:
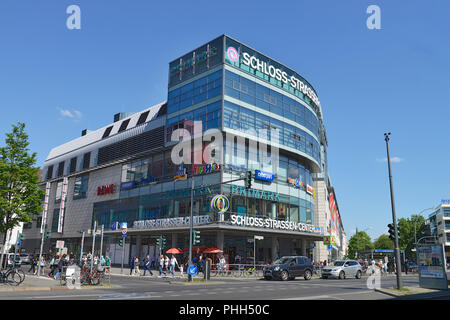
{"points": [[61, 81]]}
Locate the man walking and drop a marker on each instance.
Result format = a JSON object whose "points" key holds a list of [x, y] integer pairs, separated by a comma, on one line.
{"points": [[160, 263], [132, 265], [147, 265]]}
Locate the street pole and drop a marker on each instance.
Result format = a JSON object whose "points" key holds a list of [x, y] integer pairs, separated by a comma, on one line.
{"points": [[82, 244], [40, 252], [191, 226], [101, 242], [94, 231], [123, 254], [397, 250], [15, 249], [254, 252]]}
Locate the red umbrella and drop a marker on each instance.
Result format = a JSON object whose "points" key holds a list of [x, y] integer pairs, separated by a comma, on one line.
{"points": [[174, 251], [213, 250]]}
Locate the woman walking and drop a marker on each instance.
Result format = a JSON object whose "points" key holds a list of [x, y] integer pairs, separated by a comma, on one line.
{"points": [[173, 262]]}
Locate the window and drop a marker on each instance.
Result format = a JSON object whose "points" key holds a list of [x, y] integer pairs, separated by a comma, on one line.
{"points": [[49, 172], [143, 117], [27, 225], [107, 132], [73, 165], [124, 125], [55, 220], [58, 192], [86, 160], [61, 169], [80, 187]]}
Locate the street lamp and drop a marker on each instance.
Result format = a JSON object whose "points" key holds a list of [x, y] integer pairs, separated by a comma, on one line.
{"points": [[415, 223]]}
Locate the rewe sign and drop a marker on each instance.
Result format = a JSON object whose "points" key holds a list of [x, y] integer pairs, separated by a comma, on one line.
{"points": [[103, 190]]}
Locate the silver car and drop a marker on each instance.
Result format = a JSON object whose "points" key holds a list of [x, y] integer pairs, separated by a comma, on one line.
{"points": [[342, 269]]}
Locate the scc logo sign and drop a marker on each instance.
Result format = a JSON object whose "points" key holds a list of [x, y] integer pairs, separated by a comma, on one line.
{"points": [[220, 203], [232, 54]]}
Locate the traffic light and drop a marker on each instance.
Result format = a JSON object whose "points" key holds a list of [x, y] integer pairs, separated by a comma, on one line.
{"points": [[158, 242], [47, 234], [121, 242], [248, 180], [21, 236], [163, 242], [392, 232], [196, 237]]}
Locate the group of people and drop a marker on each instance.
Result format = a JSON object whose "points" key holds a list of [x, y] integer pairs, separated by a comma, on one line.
{"points": [[163, 263]]}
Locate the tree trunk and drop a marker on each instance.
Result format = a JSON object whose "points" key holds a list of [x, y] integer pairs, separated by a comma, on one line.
{"points": [[5, 236]]}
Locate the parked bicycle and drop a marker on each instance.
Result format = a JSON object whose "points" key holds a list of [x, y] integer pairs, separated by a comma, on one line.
{"points": [[12, 276]]}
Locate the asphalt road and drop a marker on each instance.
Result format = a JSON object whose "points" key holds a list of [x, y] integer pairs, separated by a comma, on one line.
{"points": [[220, 289]]}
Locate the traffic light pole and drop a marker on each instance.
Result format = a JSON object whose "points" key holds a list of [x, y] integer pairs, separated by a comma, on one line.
{"points": [[40, 252], [191, 227], [397, 250]]}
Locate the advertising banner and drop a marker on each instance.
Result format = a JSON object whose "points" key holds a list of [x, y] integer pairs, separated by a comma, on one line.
{"points": [[431, 262], [62, 206], [44, 213]]}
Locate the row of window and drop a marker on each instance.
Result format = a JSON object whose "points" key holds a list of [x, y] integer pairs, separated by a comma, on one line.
{"points": [[79, 191], [72, 166], [195, 92], [210, 115], [250, 92], [242, 119]]}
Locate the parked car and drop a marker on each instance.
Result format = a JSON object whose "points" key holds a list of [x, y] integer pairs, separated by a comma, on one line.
{"points": [[287, 268], [412, 266], [342, 269], [8, 260], [25, 258]]}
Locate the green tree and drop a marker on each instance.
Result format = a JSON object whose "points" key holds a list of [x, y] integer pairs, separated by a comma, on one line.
{"points": [[20, 195], [407, 235], [358, 242], [383, 242]]}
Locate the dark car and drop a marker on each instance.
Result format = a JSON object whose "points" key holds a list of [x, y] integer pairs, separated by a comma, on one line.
{"points": [[412, 266], [287, 268]]}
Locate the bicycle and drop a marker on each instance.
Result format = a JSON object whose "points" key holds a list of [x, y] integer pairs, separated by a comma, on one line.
{"points": [[11, 277]]}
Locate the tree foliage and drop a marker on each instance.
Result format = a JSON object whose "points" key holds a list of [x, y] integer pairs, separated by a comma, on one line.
{"points": [[20, 195], [383, 242], [409, 233], [358, 242]]}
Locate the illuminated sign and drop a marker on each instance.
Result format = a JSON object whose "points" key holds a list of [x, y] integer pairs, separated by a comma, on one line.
{"points": [[232, 54], [206, 168], [278, 74], [295, 182], [272, 224], [310, 190], [104, 190], [220, 203], [255, 193], [170, 222], [265, 176]]}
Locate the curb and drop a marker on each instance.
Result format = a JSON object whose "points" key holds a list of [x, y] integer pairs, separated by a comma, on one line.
{"points": [[56, 288], [414, 296]]}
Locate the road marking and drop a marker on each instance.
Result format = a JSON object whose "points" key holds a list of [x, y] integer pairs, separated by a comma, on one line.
{"points": [[66, 296], [334, 296]]}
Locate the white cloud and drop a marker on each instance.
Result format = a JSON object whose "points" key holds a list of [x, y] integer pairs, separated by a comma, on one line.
{"points": [[393, 159], [72, 114]]}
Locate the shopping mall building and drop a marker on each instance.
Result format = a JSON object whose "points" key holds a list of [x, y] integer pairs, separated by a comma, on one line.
{"points": [[270, 123]]}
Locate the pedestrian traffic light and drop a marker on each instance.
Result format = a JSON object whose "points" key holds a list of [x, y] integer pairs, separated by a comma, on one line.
{"points": [[248, 180], [163, 244], [158, 242], [47, 234], [121, 242], [196, 237]]}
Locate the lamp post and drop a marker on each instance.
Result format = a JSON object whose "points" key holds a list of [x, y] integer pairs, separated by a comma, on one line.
{"points": [[394, 218], [415, 223]]}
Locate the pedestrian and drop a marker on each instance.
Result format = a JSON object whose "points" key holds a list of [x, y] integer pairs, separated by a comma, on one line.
{"points": [[132, 265], [33, 263], [153, 261], [173, 262], [324, 263], [60, 266], [53, 266], [201, 265], [161, 266], [166, 263], [181, 267], [147, 265], [102, 260], [406, 266], [42, 265], [136, 267]]}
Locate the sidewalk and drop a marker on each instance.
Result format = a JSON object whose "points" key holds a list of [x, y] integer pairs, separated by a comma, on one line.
{"points": [[42, 283], [415, 293]]}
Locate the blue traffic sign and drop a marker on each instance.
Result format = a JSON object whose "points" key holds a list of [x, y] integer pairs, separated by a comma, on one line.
{"points": [[192, 270]]}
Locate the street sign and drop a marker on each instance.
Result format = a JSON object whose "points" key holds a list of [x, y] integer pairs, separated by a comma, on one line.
{"points": [[115, 225], [192, 270], [19, 243], [259, 237], [59, 244]]}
